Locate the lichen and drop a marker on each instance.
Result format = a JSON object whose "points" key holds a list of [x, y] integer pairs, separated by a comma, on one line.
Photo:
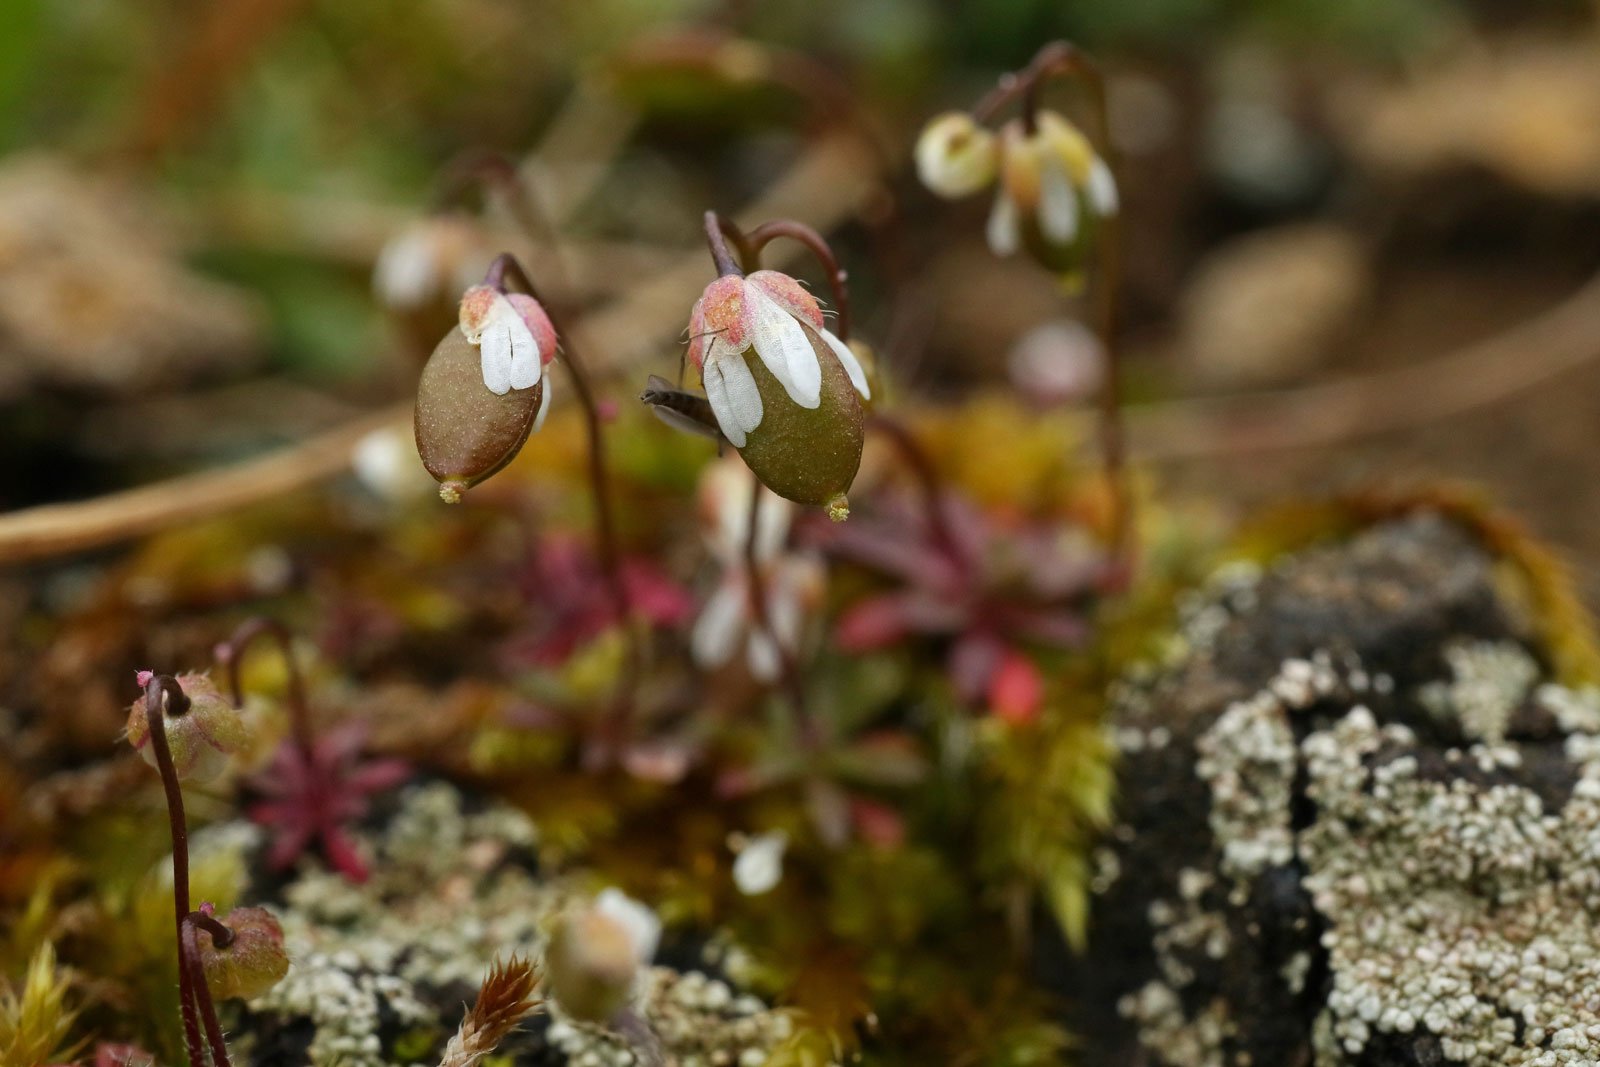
{"points": [[444, 900], [1489, 681]]}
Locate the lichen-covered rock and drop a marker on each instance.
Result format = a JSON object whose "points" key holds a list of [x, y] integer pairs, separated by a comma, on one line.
{"points": [[382, 971], [1358, 827]]}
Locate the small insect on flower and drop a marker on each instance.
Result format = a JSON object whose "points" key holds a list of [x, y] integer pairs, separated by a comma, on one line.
{"points": [[794, 412], [252, 962], [956, 157], [201, 738], [483, 390], [1054, 190]]}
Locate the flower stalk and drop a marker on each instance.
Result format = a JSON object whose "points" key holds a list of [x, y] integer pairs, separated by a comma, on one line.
{"points": [[163, 696], [231, 652]]}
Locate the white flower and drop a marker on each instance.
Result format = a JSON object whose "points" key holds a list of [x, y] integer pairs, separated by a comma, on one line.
{"points": [[759, 865], [431, 257], [791, 583], [772, 314], [642, 926], [514, 337], [1050, 178], [955, 156], [385, 461]]}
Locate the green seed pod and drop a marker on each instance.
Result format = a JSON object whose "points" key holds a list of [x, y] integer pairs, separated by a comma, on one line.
{"points": [[808, 455], [464, 432]]}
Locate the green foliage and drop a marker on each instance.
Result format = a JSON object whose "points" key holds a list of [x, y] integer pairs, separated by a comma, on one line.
{"points": [[35, 1021]]}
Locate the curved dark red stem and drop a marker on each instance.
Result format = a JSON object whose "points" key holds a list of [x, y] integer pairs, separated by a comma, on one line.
{"points": [[762, 235], [163, 689], [231, 653], [718, 232], [189, 950]]}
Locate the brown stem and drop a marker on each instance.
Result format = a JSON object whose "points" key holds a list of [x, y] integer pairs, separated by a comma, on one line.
{"points": [[599, 480], [718, 231], [837, 278], [231, 653], [164, 689], [927, 477], [221, 934], [189, 950], [1063, 59], [787, 665]]}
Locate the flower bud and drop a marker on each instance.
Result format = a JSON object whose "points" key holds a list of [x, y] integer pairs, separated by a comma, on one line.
{"points": [[200, 739], [464, 431], [793, 412], [249, 965], [955, 156], [1054, 190], [595, 954]]}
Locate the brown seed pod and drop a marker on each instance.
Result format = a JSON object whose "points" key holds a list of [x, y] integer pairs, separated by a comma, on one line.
{"points": [[808, 455], [464, 432]]}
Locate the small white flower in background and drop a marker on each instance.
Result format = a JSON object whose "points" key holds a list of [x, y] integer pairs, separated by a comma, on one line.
{"points": [[955, 156], [759, 865], [385, 461], [792, 582], [514, 337], [773, 315], [1057, 362], [1049, 180], [432, 257], [595, 955], [642, 925]]}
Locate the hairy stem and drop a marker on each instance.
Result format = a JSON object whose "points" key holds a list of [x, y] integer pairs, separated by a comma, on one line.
{"points": [[759, 237], [189, 951], [231, 654], [163, 689], [718, 232]]}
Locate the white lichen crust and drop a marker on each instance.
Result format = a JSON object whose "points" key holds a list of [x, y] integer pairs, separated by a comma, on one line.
{"points": [[441, 905]]}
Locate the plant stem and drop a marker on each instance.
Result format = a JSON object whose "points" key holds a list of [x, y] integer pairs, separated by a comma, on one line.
{"points": [[718, 230], [189, 950], [159, 689], [599, 480], [789, 669], [927, 477], [762, 235], [231, 653], [1063, 59]]}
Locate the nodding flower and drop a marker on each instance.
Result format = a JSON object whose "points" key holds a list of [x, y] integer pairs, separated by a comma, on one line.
{"points": [[794, 411], [484, 390], [430, 261], [252, 962], [955, 156], [202, 738], [790, 583], [1054, 187]]}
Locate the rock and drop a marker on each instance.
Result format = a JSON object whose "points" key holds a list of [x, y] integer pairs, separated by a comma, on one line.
{"points": [[381, 972], [1359, 826], [1272, 305]]}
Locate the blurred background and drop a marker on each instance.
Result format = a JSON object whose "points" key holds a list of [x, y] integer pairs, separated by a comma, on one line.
{"points": [[1359, 249]]}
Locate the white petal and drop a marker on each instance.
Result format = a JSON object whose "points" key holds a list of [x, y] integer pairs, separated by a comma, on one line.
{"points": [[763, 657], [407, 272], [731, 389], [494, 354], [782, 346], [759, 867], [525, 361], [851, 365], [719, 627], [1058, 202], [641, 924], [544, 407], [1004, 238], [1102, 189]]}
